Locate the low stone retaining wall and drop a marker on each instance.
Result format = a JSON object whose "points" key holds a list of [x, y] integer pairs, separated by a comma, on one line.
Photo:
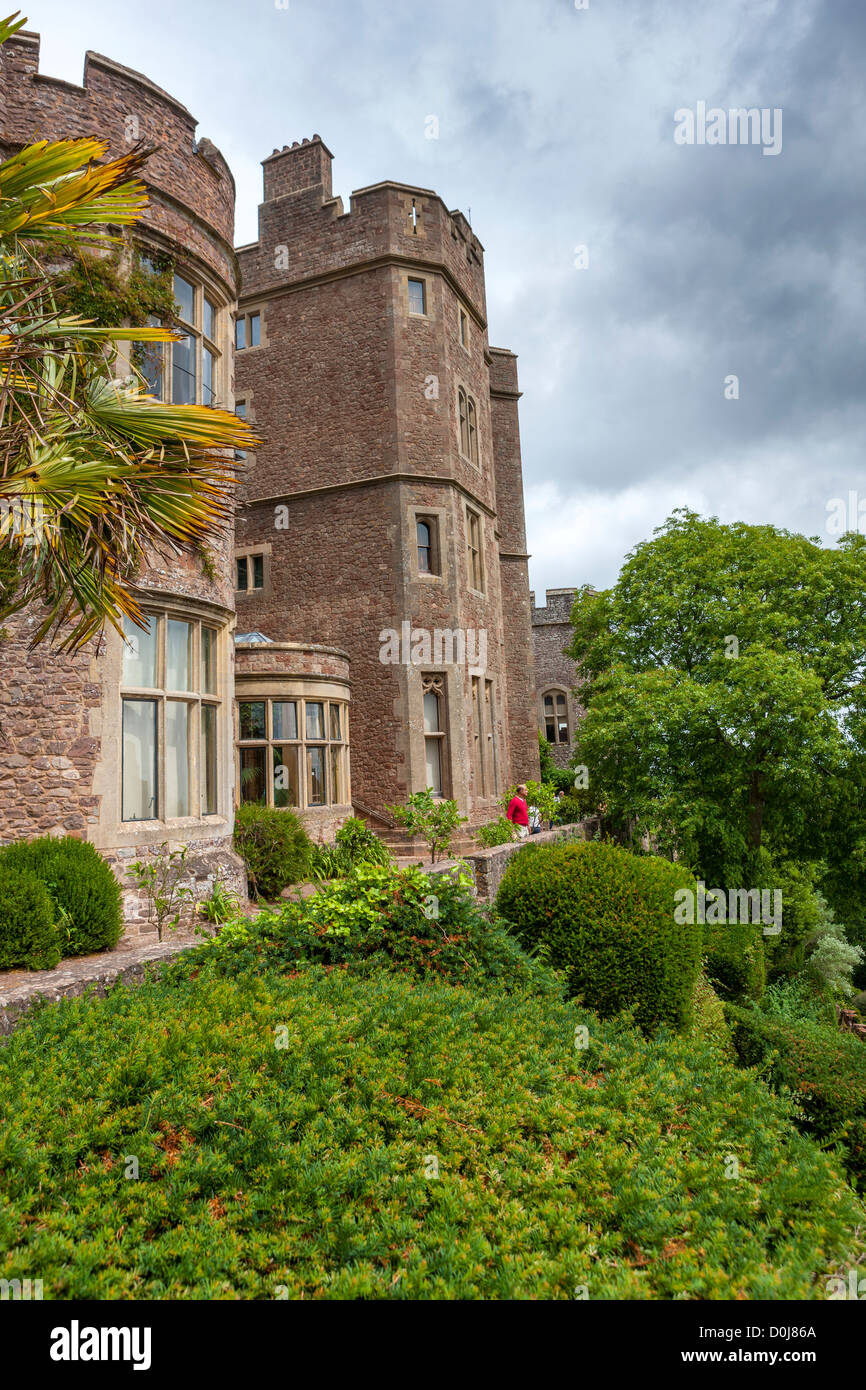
{"points": [[487, 866], [20, 989]]}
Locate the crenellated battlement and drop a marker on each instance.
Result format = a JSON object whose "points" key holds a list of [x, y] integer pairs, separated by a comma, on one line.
{"points": [[304, 231], [557, 607], [122, 106]]}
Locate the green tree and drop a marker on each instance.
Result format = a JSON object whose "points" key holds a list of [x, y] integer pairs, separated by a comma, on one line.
{"points": [[726, 707]]}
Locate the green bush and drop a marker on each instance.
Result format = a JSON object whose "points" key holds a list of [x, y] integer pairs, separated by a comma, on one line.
{"points": [[85, 892], [824, 1068], [496, 832], [28, 933], [734, 960], [708, 1016], [355, 844], [380, 917], [274, 846], [570, 810], [284, 1125], [606, 917]]}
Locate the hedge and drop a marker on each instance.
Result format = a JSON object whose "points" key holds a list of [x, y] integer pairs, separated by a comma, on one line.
{"points": [[606, 917], [83, 888], [28, 932], [824, 1067], [288, 1129]]}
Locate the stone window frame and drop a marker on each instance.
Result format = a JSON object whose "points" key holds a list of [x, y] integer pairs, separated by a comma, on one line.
{"points": [[555, 692], [434, 518], [244, 399], [243, 316], [300, 698], [475, 571], [463, 322], [246, 552], [483, 697], [436, 682], [196, 699], [468, 440], [424, 280], [161, 353]]}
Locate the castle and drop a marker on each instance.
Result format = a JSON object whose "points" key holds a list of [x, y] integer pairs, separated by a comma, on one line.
{"points": [[386, 498]]}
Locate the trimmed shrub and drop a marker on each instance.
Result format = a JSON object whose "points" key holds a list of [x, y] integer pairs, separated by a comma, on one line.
{"points": [[569, 810], [28, 934], [606, 917], [734, 960], [274, 846], [825, 1069], [83, 888]]}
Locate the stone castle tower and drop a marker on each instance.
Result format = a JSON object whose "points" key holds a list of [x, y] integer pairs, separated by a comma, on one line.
{"points": [[388, 497]]}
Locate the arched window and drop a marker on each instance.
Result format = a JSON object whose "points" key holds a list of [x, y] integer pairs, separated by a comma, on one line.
{"points": [[425, 548], [464, 421], [434, 733], [555, 717]]}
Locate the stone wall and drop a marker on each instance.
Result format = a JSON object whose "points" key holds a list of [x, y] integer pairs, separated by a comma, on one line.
{"points": [[487, 866]]}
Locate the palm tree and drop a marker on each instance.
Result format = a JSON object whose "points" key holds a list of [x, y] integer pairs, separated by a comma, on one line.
{"points": [[95, 474]]}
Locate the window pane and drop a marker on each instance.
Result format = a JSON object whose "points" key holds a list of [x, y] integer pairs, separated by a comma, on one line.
{"points": [[315, 775], [252, 762], [139, 760], [550, 732], [139, 654], [255, 330], [560, 704], [417, 297], [285, 715], [241, 409], [242, 579], [336, 725], [207, 376], [252, 718], [177, 715], [431, 712], [208, 760], [208, 660], [548, 704], [183, 372], [178, 655], [286, 790], [240, 333], [258, 571], [434, 764], [563, 731], [315, 720], [336, 780], [209, 320], [152, 360], [184, 295]]}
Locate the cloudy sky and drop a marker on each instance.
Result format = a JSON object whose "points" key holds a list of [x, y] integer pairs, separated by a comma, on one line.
{"points": [[556, 128]]}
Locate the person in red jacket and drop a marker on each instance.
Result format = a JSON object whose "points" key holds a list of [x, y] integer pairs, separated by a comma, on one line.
{"points": [[518, 812]]}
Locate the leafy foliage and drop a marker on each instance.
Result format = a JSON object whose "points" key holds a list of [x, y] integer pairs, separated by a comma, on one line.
{"points": [[433, 818], [708, 1016], [496, 832], [734, 960], [726, 708], [355, 844], [28, 932], [606, 917], [161, 879], [383, 917], [274, 846], [283, 1128], [85, 893], [823, 1067]]}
